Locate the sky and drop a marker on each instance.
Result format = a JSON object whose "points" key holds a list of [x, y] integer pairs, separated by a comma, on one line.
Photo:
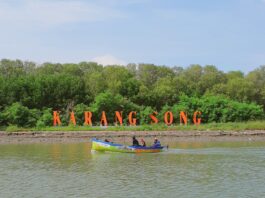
{"points": [[229, 34]]}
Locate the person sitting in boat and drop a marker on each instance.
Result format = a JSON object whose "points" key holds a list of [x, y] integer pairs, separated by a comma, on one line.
{"points": [[156, 143], [143, 143], [135, 141]]}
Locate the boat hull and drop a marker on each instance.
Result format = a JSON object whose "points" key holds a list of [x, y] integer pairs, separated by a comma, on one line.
{"points": [[98, 145]]}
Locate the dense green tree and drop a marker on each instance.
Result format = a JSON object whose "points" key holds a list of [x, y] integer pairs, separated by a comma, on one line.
{"points": [[46, 118], [10, 68], [166, 92], [148, 74], [240, 89], [26, 89], [234, 74], [19, 115], [130, 88], [110, 103], [79, 110], [60, 90], [210, 77], [145, 115], [115, 78], [257, 77], [94, 83], [49, 68]]}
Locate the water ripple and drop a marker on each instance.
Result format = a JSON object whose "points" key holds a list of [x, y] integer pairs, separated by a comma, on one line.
{"points": [[70, 170]]}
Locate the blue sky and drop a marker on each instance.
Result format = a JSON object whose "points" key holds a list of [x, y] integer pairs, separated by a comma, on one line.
{"points": [[227, 33]]}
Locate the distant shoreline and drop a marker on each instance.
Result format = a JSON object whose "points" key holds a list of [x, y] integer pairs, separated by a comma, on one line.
{"points": [[85, 136]]}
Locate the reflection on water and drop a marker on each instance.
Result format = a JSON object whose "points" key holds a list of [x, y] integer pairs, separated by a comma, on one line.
{"points": [[185, 170]]}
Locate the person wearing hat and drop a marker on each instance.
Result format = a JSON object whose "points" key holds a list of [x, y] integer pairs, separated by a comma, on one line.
{"points": [[156, 143], [135, 141]]}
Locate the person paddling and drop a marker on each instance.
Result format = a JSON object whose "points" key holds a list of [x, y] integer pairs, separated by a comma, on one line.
{"points": [[135, 141]]}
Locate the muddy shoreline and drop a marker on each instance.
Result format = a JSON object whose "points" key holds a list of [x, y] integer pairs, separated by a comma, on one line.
{"points": [[85, 136]]}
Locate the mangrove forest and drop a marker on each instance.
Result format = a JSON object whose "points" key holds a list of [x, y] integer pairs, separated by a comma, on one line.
{"points": [[30, 92]]}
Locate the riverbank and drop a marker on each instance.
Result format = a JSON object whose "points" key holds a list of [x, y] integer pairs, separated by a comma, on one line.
{"points": [[228, 126], [125, 136]]}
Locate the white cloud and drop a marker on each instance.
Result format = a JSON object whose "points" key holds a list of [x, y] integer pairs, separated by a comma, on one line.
{"points": [[108, 60], [40, 12]]}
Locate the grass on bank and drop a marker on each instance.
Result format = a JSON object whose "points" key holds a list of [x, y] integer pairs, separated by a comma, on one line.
{"points": [[230, 126]]}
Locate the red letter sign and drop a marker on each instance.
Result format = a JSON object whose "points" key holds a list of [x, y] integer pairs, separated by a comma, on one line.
{"points": [[170, 121], [56, 118], [118, 117], [183, 118], [88, 116], [153, 118], [103, 120], [132, 120], [196, 120]]}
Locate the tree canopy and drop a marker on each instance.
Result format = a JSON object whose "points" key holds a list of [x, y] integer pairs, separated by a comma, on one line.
{"points": [[27, 88]]}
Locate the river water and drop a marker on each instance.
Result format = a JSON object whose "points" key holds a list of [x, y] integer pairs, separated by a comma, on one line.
{"points": [[229, 169]]}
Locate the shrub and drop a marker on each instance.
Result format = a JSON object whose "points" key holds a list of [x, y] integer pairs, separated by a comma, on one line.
{"points": [[21, 116], [144, 115], [46, 118], [79, 110], [110, 103], [214, 109], [12, 128], [161, 114], [40, 124]]}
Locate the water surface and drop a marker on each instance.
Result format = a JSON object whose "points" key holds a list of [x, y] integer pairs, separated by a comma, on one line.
{"points": [[232, 169]]}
